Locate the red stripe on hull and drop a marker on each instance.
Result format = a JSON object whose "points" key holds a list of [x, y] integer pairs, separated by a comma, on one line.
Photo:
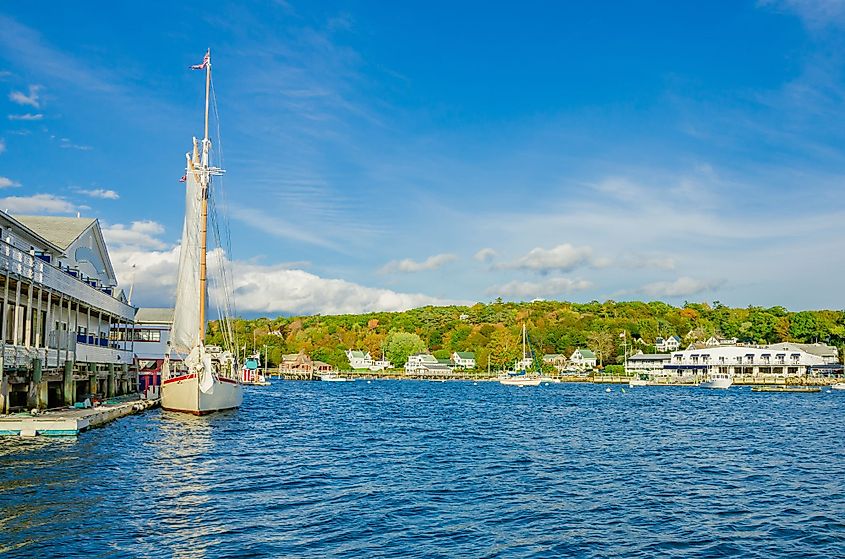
{"points": [[186, 377], [177, 379]]}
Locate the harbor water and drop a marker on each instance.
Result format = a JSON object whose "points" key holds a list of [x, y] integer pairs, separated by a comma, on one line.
{"points": [[416, 469]]}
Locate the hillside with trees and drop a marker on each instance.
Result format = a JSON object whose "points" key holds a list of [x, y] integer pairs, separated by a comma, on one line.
{"points": [[494, 330]]}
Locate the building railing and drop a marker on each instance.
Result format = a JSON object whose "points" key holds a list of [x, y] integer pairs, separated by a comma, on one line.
{"points": [[37, 270]]}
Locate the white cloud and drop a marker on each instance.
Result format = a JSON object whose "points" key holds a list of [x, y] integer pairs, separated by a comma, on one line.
{"points": [[6, 182], [485, 255], [271, 289], [564, 258], [22, 98], [548, 288], [681, 287], [65, 143], [27, 116], [37, 203], [410, 266], [815, 14], [139, 235], [101, 193]]}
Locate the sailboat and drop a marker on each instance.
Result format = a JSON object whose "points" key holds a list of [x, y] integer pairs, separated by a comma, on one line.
{"points": [[520, 377], [206, 380]]}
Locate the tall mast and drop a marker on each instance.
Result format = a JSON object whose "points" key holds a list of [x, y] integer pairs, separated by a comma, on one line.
{"points": [[523, 344], [205, 177]]}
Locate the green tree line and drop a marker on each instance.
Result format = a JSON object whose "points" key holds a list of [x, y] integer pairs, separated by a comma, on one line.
{"points": [[493, 331]]}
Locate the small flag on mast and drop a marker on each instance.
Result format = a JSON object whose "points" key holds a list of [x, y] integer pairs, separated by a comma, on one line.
{"points": [[202, 66]]}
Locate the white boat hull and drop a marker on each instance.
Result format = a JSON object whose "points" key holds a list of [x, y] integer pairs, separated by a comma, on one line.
{"points": [[639, 382], [838, 386], [720, 383], [182, 394], [517, 381], [332, 377]]}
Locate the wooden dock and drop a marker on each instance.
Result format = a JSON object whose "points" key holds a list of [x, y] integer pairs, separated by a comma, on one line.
{"points": [[69, 421]]}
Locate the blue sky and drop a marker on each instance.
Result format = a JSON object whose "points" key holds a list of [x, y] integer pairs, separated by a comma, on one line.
{"points": [[384, 156]]}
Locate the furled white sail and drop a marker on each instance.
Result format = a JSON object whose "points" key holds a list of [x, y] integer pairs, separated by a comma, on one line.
{"points": [[186, 322]]}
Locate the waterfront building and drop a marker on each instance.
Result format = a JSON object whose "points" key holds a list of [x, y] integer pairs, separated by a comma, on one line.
{"points": [[667, 345], [649, 364], [359, 359], [151, 339], [59, 308], [464, 359], [425, 364], [583, 359], [747, 361], [381, 364], [301, 364], [828, 353], [556, 360]]}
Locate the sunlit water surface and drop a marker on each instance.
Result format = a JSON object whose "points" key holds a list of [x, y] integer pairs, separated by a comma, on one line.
{"points": [[413, 469]]}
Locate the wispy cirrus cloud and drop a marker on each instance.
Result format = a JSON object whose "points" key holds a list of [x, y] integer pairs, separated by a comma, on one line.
{"points": [[26, 46], [279, 228], [815, 14], [37, 203], [32, 98], [681, 287], [103, 193], [65, 143], [26, 116], [408, 266]]}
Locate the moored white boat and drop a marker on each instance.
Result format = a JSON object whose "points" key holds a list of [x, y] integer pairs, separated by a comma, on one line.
{"points": [[334, 377], [521, 378], [719, 381], [207, 380], [639, 382], [838, 386]]}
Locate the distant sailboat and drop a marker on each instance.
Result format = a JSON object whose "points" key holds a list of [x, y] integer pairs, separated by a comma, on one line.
{"points": [[207, 379], [521, 377]]}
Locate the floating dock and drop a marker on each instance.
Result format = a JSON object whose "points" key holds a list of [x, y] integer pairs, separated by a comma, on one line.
{"points": [[785, 389], [70, 421]]}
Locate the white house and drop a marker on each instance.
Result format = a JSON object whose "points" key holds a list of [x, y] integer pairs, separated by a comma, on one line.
{"points": [[713, 341], [359, 359], [424, 364], [583, 359], [667, 345], [463, 359]]}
